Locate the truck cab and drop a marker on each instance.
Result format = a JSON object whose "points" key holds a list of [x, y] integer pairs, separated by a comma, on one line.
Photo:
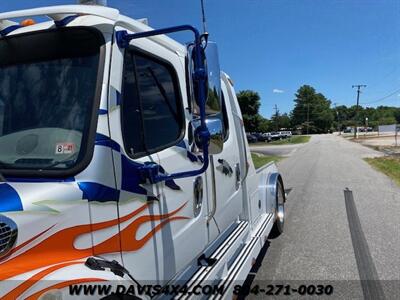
{"points": [[123, 158]]}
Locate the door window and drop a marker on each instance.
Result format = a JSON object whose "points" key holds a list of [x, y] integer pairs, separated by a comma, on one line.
{"points": [[152, 110]]}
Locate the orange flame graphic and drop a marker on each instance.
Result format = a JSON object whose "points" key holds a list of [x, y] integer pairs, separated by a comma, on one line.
{"points": [[59, 247], [32, 280]]}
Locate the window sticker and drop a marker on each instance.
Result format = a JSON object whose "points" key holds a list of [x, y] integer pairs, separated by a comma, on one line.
{"points": [[65, 148]]}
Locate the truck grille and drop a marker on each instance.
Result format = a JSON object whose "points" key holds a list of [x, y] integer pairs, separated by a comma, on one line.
{"points": [[8, 235]]}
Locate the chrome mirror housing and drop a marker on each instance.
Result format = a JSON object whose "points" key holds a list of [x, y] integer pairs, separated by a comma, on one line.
{"points": [[205, 83]]}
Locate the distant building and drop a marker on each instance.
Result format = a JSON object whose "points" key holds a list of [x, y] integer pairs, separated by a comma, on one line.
{"points": [[387, 129]]}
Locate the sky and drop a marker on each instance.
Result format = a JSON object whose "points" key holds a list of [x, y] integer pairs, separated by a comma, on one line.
{"points": [[275, 46]]}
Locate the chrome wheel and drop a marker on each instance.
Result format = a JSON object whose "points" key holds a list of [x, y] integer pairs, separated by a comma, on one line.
{"points": [[277, 229], [280, 202]]}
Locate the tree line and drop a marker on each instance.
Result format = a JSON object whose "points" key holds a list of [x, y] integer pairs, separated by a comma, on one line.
{"points": [[313, 113]]}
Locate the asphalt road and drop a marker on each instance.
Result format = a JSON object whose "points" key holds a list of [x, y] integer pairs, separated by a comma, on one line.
{"points": [[318, 246]]}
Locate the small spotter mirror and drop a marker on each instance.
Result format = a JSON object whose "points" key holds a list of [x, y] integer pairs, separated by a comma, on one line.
{"points": [[215, 127]]}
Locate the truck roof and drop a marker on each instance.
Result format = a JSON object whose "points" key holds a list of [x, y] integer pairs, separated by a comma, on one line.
{"points": [[59, 12], [94, 10]]}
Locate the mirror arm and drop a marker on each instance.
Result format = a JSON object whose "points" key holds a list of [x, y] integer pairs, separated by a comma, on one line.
{"points": [[150, 172]]}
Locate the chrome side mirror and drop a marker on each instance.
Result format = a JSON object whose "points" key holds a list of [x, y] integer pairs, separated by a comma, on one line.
{"points": [[213, 103], [205, 76], [215, 127]]}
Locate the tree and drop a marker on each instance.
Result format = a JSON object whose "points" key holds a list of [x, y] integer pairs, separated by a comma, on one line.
{"points": [[312, 111], [249, 102], [381, 115], [252, 123], [279, 121], [264, 125], [397, 115]]}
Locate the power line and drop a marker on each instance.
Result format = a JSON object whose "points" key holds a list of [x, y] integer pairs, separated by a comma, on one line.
{"points": [[383, 98], [381, 79]]}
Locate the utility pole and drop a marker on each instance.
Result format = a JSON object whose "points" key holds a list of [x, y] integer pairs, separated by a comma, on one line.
{"points": [[276, 110], [358, 86], [337, 117], [276, 116], [308, 116]]}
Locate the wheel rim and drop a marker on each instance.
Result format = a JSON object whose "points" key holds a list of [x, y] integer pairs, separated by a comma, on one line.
{"points": [[280, 211]]}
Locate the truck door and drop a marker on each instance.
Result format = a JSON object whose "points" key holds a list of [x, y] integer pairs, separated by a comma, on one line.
{"points": [[161, 229], [227, 170]]}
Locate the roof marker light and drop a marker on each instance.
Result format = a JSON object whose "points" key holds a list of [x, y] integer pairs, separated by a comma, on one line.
{"points": [[27, 22]]}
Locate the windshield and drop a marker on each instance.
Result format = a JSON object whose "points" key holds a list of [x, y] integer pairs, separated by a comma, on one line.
{"points": [[47, 88]]}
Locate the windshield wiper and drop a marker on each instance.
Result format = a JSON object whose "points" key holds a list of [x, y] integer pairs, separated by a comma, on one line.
{"points": [[56, 163], [59, 162]]}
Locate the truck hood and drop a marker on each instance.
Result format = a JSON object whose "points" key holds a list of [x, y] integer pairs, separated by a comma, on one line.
{"points": [[52, 226]]}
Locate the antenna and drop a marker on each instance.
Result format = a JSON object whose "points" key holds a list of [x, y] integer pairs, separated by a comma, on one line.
{"points": [[203, 16]]}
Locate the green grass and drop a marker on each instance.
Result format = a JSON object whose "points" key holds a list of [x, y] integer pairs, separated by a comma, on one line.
{"points": [[296, 139], [259, 159], [387, 165]]}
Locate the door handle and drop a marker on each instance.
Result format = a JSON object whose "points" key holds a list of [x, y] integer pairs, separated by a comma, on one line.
{"points": [[224, 167], [214, 191], [197, 195], [237, 174]]}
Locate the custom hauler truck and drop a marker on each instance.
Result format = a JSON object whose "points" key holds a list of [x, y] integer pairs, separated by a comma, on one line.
{"points": [[123, 160]]}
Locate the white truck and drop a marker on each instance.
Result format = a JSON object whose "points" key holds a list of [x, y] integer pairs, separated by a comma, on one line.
{"points": [[123, 160]]}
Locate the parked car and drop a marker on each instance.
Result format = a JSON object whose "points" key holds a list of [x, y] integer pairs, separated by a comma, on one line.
{"points": [[285, 134], [251, 138], [267, 135], [275, 136], [261, 137]]}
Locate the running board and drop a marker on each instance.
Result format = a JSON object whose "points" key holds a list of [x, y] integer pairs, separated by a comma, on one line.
{"points": [[230, 261], [242, 265], [208, 260]]}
